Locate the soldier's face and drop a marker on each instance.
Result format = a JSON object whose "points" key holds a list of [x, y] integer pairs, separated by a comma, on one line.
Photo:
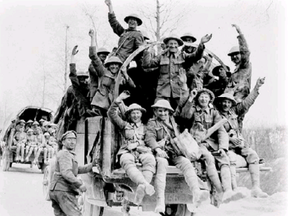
{"points": [[132, 23], [135, 116], [114, 68], [162, 114], [226, 104], [204, 100], [70, 142], [102, 56], [173, 46], [235, 58], [222, 73], [83, 80]]}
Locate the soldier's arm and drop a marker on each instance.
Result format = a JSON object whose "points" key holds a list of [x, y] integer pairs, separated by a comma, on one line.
{"points": [[151, 136], [96, 62], [223, 138], [85, 169], [243, 46], [115, 25], [65, 165], [148, 61], [245, 105], [113, 115]]}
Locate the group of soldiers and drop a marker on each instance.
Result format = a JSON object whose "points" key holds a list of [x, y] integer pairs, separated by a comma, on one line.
{"points": [[190, 93], [34, 137]]}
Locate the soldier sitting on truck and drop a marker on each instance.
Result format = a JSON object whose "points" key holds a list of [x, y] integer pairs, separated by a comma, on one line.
{"points": [[159, 136], [31, 144], [202, 116], [228, 109], [19, 140], [130, 39], [107, 74], [65, 185], [40, 140], [133, 148]]}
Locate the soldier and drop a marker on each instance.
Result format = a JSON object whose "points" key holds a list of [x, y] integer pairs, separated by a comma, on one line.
{"points": [[130, 39], [240, 81], [188, 39], [65, 185], [19, 140], [28, 125], [229, 109], [202, 116], [219, 84], [159, 136], [31, 144], [170, 64], [107, 74], [102, 53], [133, 148], [80, 86]]}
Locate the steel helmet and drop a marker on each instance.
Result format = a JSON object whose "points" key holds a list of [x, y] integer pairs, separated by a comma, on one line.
{"points": [[207, 91], [163, 104], [188, 35], [102, 50], [174, 37], [234, 49], [82, 74], [113, 59], [228, 96], [134, 106], [135, 16]]}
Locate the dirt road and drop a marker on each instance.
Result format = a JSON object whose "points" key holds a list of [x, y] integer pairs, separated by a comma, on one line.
{"points": [[21, 195]]}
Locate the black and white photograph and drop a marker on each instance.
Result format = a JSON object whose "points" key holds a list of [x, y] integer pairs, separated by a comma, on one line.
{"points": [[143, 108]]}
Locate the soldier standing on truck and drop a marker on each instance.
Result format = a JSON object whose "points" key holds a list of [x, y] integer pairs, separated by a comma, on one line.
{"points": [[65, 185], [133, 148], [228, 109], [170, 63], [159, 136], [107, 75], [240, 81], [130, 39]]}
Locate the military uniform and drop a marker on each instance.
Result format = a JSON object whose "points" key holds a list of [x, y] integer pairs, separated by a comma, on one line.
{"points": [[65, 184], [129, 40]]}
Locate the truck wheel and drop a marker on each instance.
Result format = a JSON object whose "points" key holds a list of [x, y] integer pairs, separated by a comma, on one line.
{"points": [[6, 160], [177, 210], [89, 209]]}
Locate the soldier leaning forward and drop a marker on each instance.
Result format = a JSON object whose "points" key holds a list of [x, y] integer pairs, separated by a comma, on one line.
{"points": [[65, 185]]}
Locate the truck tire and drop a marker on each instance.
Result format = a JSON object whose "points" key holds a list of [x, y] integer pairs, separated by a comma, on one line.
{"points": [[177, 210]]}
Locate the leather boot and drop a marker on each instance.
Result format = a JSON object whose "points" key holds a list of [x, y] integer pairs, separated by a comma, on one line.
{"points": [[229, 194], [160, 184], [255, 177]]}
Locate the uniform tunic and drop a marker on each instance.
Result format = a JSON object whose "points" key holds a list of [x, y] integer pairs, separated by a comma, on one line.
{"points": [[65, 184]]}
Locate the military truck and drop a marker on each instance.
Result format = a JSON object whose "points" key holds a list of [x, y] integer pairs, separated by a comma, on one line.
{"points": [[108, 185], [9, 150]]}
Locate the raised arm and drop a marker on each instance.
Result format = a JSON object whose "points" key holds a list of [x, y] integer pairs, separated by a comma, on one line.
{"points": [[197, 55], [95, 60], [112, 112], [148, 61], [116, 26], [73, 75], [245, 105], [243, 46]]}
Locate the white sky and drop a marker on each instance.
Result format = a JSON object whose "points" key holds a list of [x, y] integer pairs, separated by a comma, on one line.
{"points": [[32, 41]]}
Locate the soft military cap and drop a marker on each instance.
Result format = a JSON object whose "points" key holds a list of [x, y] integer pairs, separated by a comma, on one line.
{"points": [[69, 134]]}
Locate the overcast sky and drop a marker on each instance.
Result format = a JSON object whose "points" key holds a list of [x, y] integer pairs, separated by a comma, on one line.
{"points": [[32, 42]]}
